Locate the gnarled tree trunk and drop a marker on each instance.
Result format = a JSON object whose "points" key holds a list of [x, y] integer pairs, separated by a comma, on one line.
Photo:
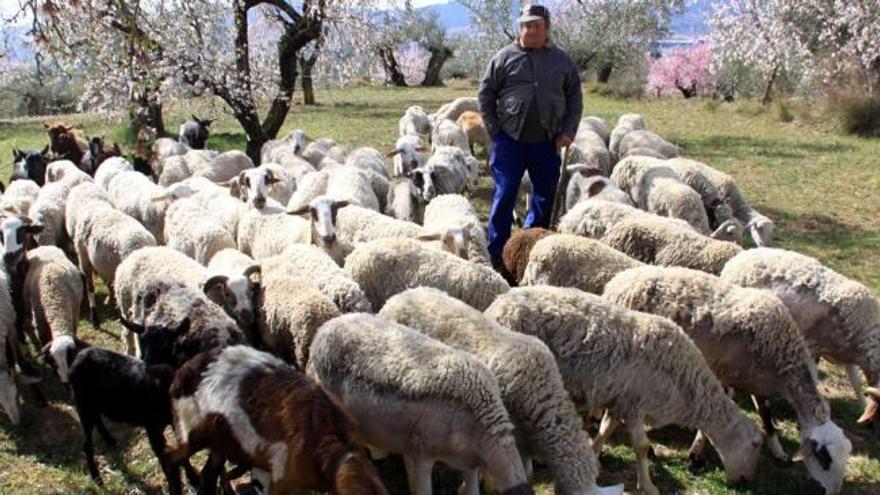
{"points": [[604, 74], [393, 75], [439, 56], [306, 64]]}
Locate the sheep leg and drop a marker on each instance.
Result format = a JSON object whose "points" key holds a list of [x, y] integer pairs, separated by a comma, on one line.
{"points": [[696, 461], [105, 434], [172, 472], [471, 483], [418, 472], [89, 278], [641, 445], [607, 428], [855, 378], [87, 421], [211, 473], [766, 414]]}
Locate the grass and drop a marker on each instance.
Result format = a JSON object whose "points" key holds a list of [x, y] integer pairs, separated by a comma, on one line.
{"points": [[821, 188]]}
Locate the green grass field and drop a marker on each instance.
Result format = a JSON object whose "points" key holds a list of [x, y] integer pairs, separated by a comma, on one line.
{"points": [[822, 189]]}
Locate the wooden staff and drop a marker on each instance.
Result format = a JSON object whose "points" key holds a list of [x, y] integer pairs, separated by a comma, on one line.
{"points": [[556, 212]]}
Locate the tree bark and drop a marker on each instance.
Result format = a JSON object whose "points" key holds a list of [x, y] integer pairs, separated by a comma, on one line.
{"points": [[308, 86], [393, 76], [768, 90], [604, 74], [439, 56]]}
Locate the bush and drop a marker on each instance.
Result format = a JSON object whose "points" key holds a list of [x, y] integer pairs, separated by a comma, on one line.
{"points": [[860, 116], [784, 111]]}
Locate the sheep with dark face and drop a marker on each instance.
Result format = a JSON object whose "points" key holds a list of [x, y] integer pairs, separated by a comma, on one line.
{"points": [[30, 164], [98, 153], [194, 133]]}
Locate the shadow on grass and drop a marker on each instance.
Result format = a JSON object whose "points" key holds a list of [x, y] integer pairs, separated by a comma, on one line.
{"points": [[820, 231], [721, 146]]}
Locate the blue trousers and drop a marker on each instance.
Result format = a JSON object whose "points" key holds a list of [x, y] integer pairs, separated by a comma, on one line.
{"points": [[509, 161]]}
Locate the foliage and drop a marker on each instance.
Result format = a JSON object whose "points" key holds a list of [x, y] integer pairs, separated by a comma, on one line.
{"points": [[860, 116], [25, 91], [680, 70]]}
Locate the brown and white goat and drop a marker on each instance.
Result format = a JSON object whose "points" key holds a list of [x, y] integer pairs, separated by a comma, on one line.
{"points": [[251, 408]]}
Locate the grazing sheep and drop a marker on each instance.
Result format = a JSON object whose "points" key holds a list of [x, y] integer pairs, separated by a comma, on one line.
{"points": [[251, 408], [408, 154], [453, 110], [589, 148], [269, 231], [642, 140], [453, 220], [837, 316], [549, 428], [357, 225], [225, 166], [691, 173], [475, 131], [369, 159], [643, 368], [9, 399], [294, 143], [385, 375], [587, 182], [448, 133], [133, 193], [353, 186], [405, 201], [625, 124], [194, 133], [19, 196], [190, 229], [751, 342], [515, 255], [308, 263], [656, 188], [386, 267], [123, 389], [597, 125], [415, 122], [659, 242], [593, 217], [566, 260]]}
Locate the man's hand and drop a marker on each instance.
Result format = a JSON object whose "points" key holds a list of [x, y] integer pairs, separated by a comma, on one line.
{"points": [[563, 141]]}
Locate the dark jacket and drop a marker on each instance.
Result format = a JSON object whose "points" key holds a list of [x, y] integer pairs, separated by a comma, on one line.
{"points": [[515, 75]]}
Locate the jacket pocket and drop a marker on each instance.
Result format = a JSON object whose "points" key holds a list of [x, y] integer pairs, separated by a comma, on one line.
{"points": [[512, 106]]}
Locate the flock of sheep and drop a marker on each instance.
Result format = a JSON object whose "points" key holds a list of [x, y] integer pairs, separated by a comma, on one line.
{"points": [[291, 317]]}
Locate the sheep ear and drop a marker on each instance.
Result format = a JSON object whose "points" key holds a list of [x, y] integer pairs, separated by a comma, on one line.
{"points": [[270, 178], [392, 153], [577, 167], [215, 283], [194, 117], [595, 188], [254, 274], [433, 236], [300, 211], [422, 149], [340, 204]]}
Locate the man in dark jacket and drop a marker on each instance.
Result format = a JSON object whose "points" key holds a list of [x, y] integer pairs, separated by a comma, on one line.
{"points": [[530, 100]]}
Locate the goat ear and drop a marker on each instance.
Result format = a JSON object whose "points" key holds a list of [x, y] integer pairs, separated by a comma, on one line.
{"points": [[117, 149], [300, 211], [433, 236], [254, 274], [392, 153]]}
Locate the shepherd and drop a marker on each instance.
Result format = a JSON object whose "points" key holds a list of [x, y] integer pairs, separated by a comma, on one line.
{"points": [[531, 103]]}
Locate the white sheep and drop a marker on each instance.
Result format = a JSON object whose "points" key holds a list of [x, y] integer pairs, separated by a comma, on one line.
{"points": [[315, 151], [167, 147], [65, 170], [48, 210], [269, 231], [448, 133], [354, 186], [597, 125], [110, 168], [625, 124], [549, 428], [225, 166], [415, 122], [453, 110], [837, 316], [309, 187], [446, 172], [565, 260], [385, 374], [589, 148], [691, 173], [408, 154], [269, 180], [295, 142], [655, 187], [453, 220], [386, 267], [645, 142], [587, 182], [366, 158], [656, 240], [133, 193], [643, 368], [174, 170], [593, 217], [191, 229], [19, 196], [751, 342]]}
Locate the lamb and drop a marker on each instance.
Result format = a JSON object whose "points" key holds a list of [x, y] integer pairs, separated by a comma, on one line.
{"points": [[19, 196], [658, 242], [625, 124], [194, 133], [566, 260], [405, 201], [642, 367], [9, 398], [47, 291], [655, 187], [385, 374], [386, 267], [133, 193], [452, 219], [110, 168], [640, 139], [415, 122], [548, 428], [310, 264], [475, 131], [589, 148], [691, 173], [751, 342], [587, 182], [124, 389], [453, 110], [597, 125], [269, 231], [225, 166], [190, 229], [102, 238], [837, 316], [515, 255], [448, 133], [251, 408], [408, 154]]}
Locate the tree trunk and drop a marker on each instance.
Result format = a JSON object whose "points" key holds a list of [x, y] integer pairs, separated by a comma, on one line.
{"points": [[768, 96], [439, 56], [393, 75], [605, 73], [308, 86]]}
